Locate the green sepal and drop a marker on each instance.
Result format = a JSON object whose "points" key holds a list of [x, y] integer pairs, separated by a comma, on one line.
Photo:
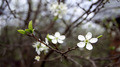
{"points": [[55, 18], [48, 37], [22, 31]]}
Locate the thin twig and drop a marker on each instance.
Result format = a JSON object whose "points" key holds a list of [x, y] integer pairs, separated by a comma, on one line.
{"points": [[93, 62], [10, 9]]}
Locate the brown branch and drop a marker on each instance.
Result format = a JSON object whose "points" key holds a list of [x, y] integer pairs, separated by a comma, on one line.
{"points": [[10, 9], [87, 12], [37, 11], [45, 44], [29, 12], [93, 62], [70, 49], [78, 64], [55, 58]]}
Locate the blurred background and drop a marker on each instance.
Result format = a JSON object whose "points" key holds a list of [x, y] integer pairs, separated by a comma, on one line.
{"points": [[101, 17]]}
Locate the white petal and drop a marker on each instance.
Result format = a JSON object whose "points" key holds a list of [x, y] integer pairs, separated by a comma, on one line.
{"points": [[89, 46], [41, 49], [81, 44], [38, 52], [34, 46], [81, 37], [51, 37], [60, 41], [54, 41], [88, 35], [55, 14], [57, 34], [62, 37], [60, 16], [93, 40], [46, 41], [42, 45]]}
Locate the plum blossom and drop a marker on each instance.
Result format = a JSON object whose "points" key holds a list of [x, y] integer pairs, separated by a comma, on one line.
{"points": [[37, 47], [41, 47], [86, 41], [37, 58], [58, 9], [57, 38]]}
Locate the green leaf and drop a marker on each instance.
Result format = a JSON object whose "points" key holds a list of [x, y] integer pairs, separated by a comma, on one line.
{"points": [[21, 31], [30, 25], [28, 30], [32, 30]]}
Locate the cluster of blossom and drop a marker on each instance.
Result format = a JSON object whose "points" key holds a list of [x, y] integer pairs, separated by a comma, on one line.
{"points": [[58, 38], [58, 9], [39, 47]]}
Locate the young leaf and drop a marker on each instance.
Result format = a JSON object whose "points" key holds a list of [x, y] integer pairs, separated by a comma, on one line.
{"points": [[21, 31], [30, 25], [32, 30], [28, 30]]}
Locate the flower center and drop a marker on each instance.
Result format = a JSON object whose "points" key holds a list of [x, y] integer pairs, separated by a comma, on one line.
{"points": [[38, 46], [86, 41], [56, 38]]}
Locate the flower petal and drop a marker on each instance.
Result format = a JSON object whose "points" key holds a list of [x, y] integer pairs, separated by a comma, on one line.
{"points": [[81, 37], [55, 14], [88, 35], [46, 41], [51, 37], [60, 41], [89, 46], [34, 46], [60, 16], [93, 40], [57, 34], [54, 41], [62, 37], [41, 49], [81, 44], [38, 51]]}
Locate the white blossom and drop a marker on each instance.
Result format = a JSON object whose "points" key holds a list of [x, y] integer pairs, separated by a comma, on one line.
{"points": [[41, 47], [58, 9], [37, 47], [57, 38], [86, 41], [44, 47], [37, 58]]}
